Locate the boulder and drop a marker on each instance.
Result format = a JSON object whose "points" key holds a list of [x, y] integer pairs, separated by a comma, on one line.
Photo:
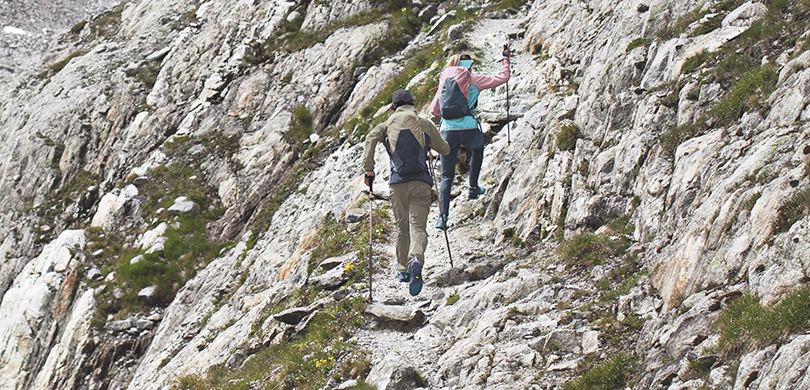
{"points": [[118, 326], [394, 372], [184, 207], [148, 293], [396, 316], [94, 274], [330, 280], [355, 215]]}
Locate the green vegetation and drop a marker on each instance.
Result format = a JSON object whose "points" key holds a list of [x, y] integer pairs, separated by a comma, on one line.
{"points": [[78, 27], [514, 239], [694, 62], [681, 25], [186, 249], [611, 374], [402, 23], [794, 209], [638, 42], [708, 26], [59, 65], [746, 324], [301, 126], [568, 136], [748, 93], [677, 134], [365, 121], [626, 281], [736, 66], [453, 298], [325, 350], [336, 238], [589, 249], [148, 75], [106, 24]]}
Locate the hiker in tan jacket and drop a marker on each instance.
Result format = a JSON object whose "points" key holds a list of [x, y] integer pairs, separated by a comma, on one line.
{"points": [[407, 139]]}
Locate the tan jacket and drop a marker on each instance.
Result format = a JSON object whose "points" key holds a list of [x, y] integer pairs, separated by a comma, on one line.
{"points": [[404, 117]]}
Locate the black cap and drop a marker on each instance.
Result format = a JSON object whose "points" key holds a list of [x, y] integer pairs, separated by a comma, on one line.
{"points": [[401, 97]]}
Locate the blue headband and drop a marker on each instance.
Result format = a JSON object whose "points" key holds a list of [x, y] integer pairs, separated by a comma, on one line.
{"points": [[466, 63]]}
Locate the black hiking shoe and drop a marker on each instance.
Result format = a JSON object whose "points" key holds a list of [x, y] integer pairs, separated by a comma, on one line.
{"points": [[474, 192], [415, 284], [404, 277]]}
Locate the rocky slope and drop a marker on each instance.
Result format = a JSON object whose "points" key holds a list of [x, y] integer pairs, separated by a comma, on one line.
{"points": [[28, 29], [183, 205]]}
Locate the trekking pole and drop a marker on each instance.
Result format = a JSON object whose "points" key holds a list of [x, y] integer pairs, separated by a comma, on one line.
{"points": [[370, 232], [508, 132], [441, 212]]}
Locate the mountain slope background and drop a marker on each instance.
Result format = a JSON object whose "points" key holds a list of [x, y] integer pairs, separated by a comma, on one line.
{"points": [[183, 204]]}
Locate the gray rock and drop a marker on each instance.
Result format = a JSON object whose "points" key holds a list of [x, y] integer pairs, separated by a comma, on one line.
{"points": [[455, 31], [396, 316], [117, 292], [394, 372], [347, 384], [148, 293], [356, 215], [330, 280], [118, 326], [157, 247], [94, 274], [590, 342], [428, 12], [132, 69], [184, 207], [136, 259], [294, 315], [143, 324], [642, 8], [158, 55], [140, 181]]}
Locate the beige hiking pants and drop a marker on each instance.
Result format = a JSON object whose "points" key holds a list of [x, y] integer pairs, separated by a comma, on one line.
{"points": [[411, 199]]}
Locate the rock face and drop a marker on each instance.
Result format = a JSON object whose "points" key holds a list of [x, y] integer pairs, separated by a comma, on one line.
{"points": [[154, 102]]}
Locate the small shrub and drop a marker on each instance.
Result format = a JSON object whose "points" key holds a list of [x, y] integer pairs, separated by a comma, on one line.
{"points": [[567, 137], [611, 374], [453, 298], [638, 42]]}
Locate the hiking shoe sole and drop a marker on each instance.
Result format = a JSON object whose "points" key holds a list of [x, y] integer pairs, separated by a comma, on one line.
{"points": [[415, 285]]}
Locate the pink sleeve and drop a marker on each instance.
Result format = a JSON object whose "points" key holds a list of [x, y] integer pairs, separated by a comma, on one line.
{"points": [[434, 104], [487, 82]]}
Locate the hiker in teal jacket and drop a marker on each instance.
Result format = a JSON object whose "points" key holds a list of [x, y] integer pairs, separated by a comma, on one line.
{"points": [[464, 130], [407, 139]]}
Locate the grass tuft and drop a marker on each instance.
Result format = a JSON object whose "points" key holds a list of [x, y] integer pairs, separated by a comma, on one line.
{"points": [[611, 374], [567, 137], [746, 324]]}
